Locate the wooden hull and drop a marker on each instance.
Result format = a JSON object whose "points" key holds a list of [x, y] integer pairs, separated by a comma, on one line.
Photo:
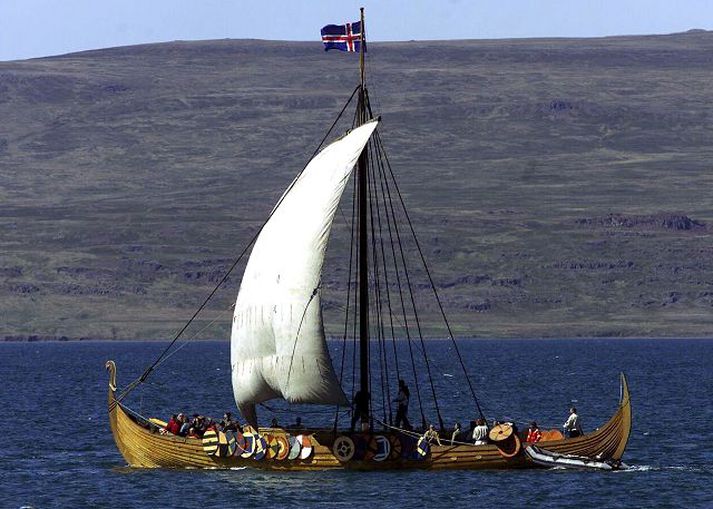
{"points": [[142, 447]]}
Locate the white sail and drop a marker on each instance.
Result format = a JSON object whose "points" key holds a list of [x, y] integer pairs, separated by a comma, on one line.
{"points": [[278, 347]]}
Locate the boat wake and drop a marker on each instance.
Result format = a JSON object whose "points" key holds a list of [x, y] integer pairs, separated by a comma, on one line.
{"points": [[644, 468], [665, 468]]}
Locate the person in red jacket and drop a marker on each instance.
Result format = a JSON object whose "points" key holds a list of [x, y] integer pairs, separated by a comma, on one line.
{"points": [[172, 426], [533, 433]]}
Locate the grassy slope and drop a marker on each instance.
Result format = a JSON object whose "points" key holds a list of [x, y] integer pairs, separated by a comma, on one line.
{"points": [[132, 176]]}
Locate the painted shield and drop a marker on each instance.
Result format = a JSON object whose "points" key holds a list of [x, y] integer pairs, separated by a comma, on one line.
{"points": [[343, 448], [284, 447], [249, 446], [500, 432], [306, 446], [510, 448], [240, 443], [222, 449], [230, 445], [383, 448], [295, 448], [422, 449], [395, 443], [210, 442], [260, 448], [372, 447], [273, 446]]}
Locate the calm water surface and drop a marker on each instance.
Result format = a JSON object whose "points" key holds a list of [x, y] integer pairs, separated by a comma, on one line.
{"points": [[57, 450]]}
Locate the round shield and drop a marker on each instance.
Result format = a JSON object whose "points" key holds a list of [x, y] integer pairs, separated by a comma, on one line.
{"points": [[422, 448], [240, 443], [343, 448], [284, 447], [249, 446], [510, 448], [230, 445], [295, 448], [210, 442], [372, 447], [383, 448], [222, 450], [273, 446], [395, 443], [260, 448], [306, 445], [500, 433]]}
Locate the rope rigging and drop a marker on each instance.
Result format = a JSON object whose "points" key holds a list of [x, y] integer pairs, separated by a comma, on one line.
{"points": [[346, 313], [385, 205], [430, 278], [415, 312], [378, 318]]}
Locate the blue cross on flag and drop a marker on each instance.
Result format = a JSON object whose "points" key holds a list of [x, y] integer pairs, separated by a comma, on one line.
{"points": [[343, 37]]}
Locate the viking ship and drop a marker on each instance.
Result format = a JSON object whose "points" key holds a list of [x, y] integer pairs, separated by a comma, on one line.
{"points": [[279, 348]]}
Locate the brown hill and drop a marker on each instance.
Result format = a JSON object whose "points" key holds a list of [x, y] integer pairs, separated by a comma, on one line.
{"points": [[547, 179]]}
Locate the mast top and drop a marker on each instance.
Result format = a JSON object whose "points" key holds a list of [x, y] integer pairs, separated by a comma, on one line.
{"points": [[362, 47]]}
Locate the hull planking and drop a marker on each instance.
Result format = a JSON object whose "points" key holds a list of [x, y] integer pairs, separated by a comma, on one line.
{"points": [[143, 446]]}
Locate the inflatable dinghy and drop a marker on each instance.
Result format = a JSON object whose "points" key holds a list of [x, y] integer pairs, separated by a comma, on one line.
{"points": [[551, 459]]}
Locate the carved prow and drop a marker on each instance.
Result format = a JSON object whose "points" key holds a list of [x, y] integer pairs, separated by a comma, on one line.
{"points": [[111, 368]]}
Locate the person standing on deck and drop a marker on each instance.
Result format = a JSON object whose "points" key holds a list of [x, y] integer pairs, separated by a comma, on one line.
{"points": [[573, 426], [456, 433], [402, 409], [480, 432]]}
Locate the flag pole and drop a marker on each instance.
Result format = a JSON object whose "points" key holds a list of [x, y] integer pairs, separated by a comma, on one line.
{"points": [[362, 45]]}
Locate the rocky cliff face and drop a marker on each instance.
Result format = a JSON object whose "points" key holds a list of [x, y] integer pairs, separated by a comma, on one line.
{"points": [[559, 187]]}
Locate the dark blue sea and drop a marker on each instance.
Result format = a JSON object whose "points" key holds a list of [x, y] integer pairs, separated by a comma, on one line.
{"points": [[56, 449]]}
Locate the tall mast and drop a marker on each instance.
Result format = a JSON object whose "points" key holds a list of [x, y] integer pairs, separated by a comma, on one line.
{"points": [[363, 247]]}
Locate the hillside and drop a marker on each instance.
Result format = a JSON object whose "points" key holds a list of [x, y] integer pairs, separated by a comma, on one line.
{"points": [[560, 187]]}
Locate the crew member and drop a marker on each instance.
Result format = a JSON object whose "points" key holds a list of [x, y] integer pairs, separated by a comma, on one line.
{"points": [[456, 433], [402, 409], [573, 426], [480, 432], [432, 435], [533, 433]]}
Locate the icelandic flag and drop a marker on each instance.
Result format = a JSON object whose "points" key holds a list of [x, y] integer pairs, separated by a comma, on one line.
{"points": [[343, 37]]}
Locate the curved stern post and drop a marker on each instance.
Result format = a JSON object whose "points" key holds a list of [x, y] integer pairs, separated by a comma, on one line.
{"points": [[626, 416]]}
